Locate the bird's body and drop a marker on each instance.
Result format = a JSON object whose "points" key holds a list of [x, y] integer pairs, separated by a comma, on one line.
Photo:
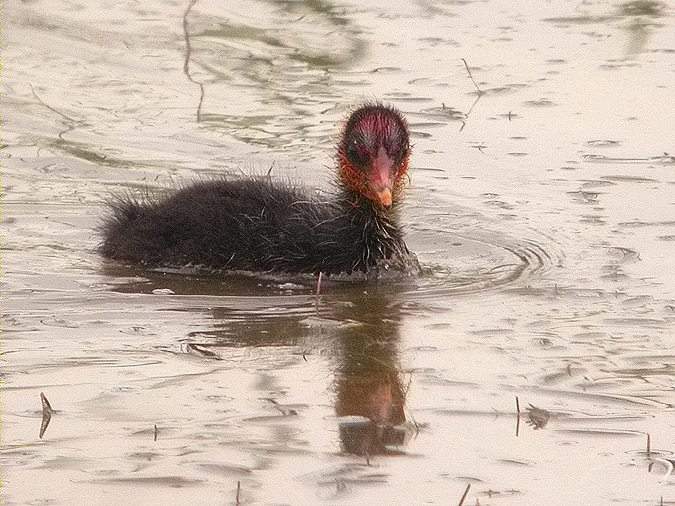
{"points": [[256, 224]]}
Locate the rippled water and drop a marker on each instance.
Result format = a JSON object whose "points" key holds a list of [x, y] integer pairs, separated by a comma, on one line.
{"points": [[541, 201]]}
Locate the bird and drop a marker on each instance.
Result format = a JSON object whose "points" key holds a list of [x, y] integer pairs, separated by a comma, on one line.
{"points": [[258, 224]]}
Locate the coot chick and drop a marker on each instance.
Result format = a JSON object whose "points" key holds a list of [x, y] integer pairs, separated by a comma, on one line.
{"points": [[255, 224]]}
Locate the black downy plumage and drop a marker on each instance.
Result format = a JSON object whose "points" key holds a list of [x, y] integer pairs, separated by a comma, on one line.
{"points": [[256, 224]]}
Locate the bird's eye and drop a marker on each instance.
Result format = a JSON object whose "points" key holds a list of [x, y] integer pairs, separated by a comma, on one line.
{"points": [[355, 153]]}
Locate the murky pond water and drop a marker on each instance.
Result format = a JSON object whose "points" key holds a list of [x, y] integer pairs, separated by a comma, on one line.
{"points": [[543, 206]]}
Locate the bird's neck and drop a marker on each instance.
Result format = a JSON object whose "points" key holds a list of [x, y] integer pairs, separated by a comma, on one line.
{"points": [[375, 239], [360, 207], [378, 225]]}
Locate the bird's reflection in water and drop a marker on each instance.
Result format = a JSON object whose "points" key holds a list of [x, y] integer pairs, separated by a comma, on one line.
{"points": [[369, 385], [362, 340], [370, 393]]}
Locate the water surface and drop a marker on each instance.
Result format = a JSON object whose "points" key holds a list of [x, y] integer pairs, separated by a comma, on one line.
{"points": [[541, 200]]}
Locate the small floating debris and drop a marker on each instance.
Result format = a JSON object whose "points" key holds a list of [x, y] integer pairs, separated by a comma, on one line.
{"points": [[602, 143], [537, 417], [201, 350], [290, 286], [387, 70], [46, 414], [163, 291]]}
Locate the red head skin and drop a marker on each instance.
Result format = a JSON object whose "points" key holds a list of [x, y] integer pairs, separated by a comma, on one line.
{"points": [[373, 154]]}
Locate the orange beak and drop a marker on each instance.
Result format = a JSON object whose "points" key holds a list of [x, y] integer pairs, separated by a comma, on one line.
{"points": [[380, 179], [384, 197]]}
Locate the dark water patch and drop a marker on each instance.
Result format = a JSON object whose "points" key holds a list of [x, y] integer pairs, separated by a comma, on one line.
{"points": [[641, 224], [665, 159], [63, 463], [225, 469], [146, 455], [602, 143], [660, 370], [650, 8], [428, 124], [629, 179], [601, 433], [501, 90], [617, 66], [443, 113], [584, 197], [651, 323], [406, 97], [438, 41], [429, 169], [150, 481], [564, 21], [542, 102], [599, 399]]}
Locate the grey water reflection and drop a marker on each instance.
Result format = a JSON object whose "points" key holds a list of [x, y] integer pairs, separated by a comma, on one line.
{"points": [[284, 68], [642, 17], [361, 335]]}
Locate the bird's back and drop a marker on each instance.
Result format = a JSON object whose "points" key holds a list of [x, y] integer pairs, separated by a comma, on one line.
{"points": [[248, 224]]}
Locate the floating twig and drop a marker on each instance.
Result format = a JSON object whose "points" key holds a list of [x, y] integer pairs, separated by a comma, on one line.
{"points": [[468, 70], [517, 416], [186, 62], [46, 414], [480, 94], [238, 491], [466, 492]]}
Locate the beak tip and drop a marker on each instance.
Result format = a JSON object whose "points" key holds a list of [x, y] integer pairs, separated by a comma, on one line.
{"points": [[384, 198]]}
